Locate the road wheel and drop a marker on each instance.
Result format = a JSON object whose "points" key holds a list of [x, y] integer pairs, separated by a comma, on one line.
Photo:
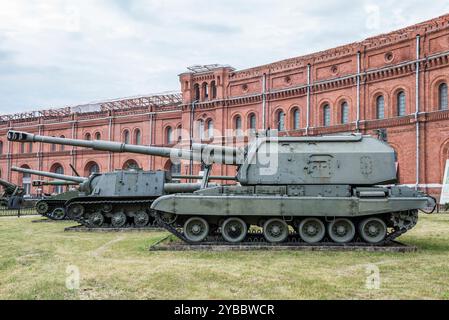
{"points": [[58, 214], [312, 230], [118, 219], [275, 230], [96, 220], [373, 230], [196, 229], [234, 230], [341, 230]]}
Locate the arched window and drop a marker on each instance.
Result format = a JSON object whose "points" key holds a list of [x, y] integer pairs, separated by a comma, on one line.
{"points": [[87, 136], [401, 104], [30, 147], [213, 89], [201, 129], [91, 167], [175, 168], [179, 134], [326, 115], [280, 119], [296, 116], [238, 125], [252, 121], [97, 136], [210, 129], [344, 113], [53, 147], [61, 147], [196, 91], [380, 107], [169, 135], [442, 96], [22, 147], [205, 88], [57, 168], [137, 137], [130, 165], [126, 139], [26, 181]]}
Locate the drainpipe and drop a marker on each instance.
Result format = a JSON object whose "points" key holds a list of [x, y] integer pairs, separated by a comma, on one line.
{"points": [[417, 102], [110, 139], [264, 100], [358, 92], [39, 151], [150, 161], [192, 115], [8, 156], [308, 99]]}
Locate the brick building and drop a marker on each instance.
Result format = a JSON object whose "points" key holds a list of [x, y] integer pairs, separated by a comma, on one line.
{"points": [[396, 81]]}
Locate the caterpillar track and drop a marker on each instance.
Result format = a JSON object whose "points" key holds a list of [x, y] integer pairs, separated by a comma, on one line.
{"points": [[111, 213], [397, 224]]}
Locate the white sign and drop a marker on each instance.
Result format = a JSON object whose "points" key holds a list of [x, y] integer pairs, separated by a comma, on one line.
{"points": [[445, 189]]}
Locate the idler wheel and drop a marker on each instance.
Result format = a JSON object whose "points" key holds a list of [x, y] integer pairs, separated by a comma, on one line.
{"points": [[373, 230], [234, 230], [58, 214], [42, 207], [141, 219], [76, 211], [96, 220], [118, 219], [341, 230], [196, 229], [312, 230], [275, 230], [168, 218]]}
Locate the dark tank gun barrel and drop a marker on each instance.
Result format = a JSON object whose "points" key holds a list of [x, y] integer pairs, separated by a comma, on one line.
{"points": [[102, 145], [201, 152], [58, 176], [8, 186], [223, 178], [41, 183]]}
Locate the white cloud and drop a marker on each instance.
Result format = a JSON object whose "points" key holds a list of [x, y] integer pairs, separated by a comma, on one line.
{"points": [[59, 52]]}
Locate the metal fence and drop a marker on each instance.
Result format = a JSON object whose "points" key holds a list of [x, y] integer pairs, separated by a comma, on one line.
{"points": [[4, 212]]}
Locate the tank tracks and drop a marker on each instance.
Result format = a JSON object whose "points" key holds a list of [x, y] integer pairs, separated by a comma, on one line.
{"points": [[84, 220], [257, 238], [54, 210]]}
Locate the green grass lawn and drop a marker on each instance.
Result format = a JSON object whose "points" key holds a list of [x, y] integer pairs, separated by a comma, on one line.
{"points": [[34, 258]]}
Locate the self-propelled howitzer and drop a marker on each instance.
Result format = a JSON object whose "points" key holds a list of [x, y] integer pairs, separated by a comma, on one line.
{"points": [[335, 189], [52, 207], [12, 196], [116, 199]]}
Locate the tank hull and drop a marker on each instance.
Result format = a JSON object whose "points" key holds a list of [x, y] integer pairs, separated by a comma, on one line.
{"points": [[346, 214], [283, 206]]}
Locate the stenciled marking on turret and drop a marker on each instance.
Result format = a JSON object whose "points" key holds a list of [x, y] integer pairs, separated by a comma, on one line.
{"points": [[366, 165]]}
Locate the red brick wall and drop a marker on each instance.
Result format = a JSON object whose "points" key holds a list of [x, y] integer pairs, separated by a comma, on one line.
{"points": [[387, 64]]}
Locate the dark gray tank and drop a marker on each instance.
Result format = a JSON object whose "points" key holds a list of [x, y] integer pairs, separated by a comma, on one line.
{"points": [[115, 199], [334, 189]]}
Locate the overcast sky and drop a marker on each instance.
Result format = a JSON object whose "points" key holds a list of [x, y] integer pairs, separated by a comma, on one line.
{"points": [[55, 53]]}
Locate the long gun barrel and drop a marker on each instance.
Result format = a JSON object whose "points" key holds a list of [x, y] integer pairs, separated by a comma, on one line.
{"points": [[41, 183], [7, 184], [51, 175], [9, 187], [201, 152], [223, 178]]}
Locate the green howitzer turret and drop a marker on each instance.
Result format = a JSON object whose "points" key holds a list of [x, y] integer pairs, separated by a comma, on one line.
{"points": [[12, 197], [330, 189]]}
